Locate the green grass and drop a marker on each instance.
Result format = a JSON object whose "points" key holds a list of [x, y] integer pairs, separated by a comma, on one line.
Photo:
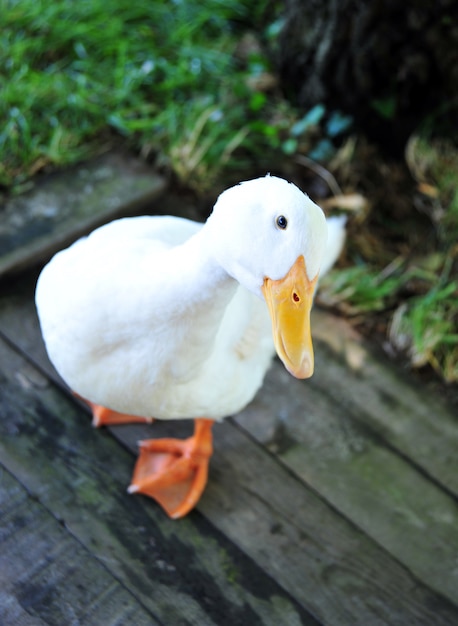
{"points": [[162, 74], [360, 289], [424, 327], [430, 321], [427, 328], [184, 84], [72, 69]]}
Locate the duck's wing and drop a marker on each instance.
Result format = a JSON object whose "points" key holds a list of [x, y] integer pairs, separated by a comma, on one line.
{"points": [[94, 291]]}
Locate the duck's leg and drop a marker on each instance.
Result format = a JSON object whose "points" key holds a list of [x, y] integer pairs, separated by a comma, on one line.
{"points": [[173, 471], [101, 416]]}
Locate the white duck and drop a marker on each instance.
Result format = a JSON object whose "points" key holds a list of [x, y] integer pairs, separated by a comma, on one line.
{"points": [[164, 317]]}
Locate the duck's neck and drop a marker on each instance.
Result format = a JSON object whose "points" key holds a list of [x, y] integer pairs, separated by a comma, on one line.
{"points": [[204, 287]]}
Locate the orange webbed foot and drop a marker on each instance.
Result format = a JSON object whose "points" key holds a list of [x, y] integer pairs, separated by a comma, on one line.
{"points": [[174, 472]]}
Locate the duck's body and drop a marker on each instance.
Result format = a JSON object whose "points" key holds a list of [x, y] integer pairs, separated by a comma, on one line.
{"points": [[163, 317], [183, 353]]}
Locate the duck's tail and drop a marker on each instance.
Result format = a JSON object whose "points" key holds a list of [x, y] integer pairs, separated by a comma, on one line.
{"points": [[335, 243]]}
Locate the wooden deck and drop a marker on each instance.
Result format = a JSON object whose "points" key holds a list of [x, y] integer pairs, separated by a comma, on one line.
{"points": [[331, 501]]}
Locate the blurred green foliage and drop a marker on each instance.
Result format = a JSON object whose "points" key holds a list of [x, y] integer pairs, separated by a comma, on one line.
{"points": [[181, 79]]}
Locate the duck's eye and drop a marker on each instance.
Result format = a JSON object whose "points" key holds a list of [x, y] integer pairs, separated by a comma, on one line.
{"points": [[281, 222]]}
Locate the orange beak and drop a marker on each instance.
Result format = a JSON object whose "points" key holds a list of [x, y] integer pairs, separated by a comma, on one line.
{"points": [[290, 301]]}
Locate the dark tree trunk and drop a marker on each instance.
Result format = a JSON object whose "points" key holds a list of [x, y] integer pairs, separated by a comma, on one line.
{"points": [[389, 63]]}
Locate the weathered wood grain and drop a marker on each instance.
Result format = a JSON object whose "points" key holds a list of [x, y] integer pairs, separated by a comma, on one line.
{"points": [[70, 204], [324, 561], [327, 564], [352, 468], [48, 577], [185, 573], [414, 421]]}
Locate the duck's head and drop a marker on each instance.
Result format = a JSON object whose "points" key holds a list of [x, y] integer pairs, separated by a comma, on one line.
{"points": [[271, 238]]}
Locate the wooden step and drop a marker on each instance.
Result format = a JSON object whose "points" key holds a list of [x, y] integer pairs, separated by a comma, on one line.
{"points": [[67, 205]]}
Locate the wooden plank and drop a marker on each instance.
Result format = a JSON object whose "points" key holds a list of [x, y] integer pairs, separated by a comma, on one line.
{"points": [[412, 418], [183, 573], [48, 577], [67, 205], [379, 490], [328, 565], [324, 561]]}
